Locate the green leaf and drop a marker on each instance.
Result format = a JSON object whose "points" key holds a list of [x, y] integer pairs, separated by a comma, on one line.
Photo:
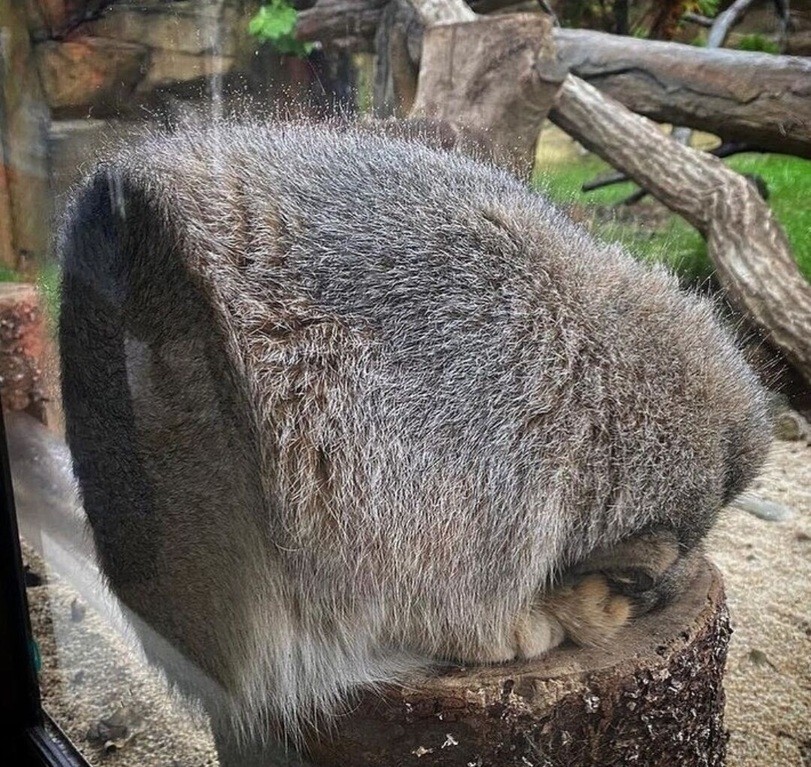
{"points": [[255, 24], [275, 23], [708, 7]]}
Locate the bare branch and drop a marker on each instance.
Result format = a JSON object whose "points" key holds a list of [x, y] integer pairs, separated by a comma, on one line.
{"points": [[697, 18], [725, 21], [443, 11], [549, 11]]}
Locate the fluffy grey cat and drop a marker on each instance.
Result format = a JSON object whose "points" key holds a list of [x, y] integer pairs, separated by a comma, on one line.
{"points": [[341, 404]]}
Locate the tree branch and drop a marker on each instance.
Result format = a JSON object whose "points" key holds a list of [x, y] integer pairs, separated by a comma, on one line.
{"points": [[727, 149], [725, 21], [443, 11], [746, 244], [697, 18]]}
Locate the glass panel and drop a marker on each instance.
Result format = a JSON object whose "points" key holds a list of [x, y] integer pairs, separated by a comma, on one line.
{"points": [[85, 78], [82, 78], [94, 678]]}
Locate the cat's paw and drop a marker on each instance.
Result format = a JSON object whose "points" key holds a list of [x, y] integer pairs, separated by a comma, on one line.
{"points": [[589, 610], [536, 632], [532, 633]]}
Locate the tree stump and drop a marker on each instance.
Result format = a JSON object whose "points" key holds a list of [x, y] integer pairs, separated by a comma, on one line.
{"points": [[495, 74], [654, 697]]}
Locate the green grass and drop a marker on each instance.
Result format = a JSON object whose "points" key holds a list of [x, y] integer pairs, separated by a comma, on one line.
{"points": [[789, 182], [758, 43], [676, 242], [10, 275], [48, 285]]}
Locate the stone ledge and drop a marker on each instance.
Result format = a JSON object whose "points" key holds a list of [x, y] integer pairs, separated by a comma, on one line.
{"points": [[21, 349]]}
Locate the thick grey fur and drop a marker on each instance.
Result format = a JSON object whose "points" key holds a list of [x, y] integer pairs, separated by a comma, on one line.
{"points": [[340, 403]]}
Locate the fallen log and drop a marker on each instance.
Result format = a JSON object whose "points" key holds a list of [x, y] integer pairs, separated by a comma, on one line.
{"points": [[740, 96], [719, 31], [745, 243]]}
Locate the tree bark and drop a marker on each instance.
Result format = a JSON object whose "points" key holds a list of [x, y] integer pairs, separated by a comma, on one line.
{"points": [[740, 96], [496, 75], [666, 16], [434, 12], [723, 23], [653, 698], [758, 98], [719, 30], [745, 242], [397, 47], [354, 20]]}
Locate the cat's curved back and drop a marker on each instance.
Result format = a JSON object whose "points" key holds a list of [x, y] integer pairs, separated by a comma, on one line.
{"points": [[333, 395]]}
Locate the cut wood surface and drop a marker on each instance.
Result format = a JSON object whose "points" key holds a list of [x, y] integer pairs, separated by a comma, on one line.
{"points": [[654, 697], [495, 74]]}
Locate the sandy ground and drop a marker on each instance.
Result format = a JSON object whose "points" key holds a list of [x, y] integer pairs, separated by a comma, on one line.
{"points": [[98, 688], [767, 568], [121, 714]]}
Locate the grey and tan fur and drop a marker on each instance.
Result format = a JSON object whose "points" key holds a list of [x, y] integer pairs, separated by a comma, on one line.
{"points": [[340, 404]]}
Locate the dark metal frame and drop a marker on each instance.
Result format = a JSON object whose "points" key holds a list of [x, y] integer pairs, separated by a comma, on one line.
{"points": [[32, 739]]}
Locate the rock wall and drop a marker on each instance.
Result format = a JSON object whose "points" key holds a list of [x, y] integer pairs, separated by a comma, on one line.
{"points": [[98, 60], [80, 74], [24, 182]]}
